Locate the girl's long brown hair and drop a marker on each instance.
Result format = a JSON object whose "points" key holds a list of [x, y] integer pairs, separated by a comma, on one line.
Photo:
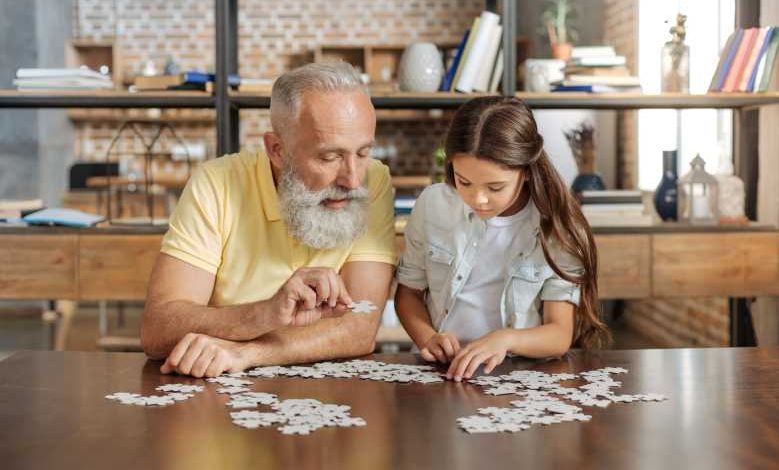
{"points": [[502, 130]]}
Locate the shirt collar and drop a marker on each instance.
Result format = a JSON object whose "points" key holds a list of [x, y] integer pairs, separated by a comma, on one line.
{"points": [[268, 192]]}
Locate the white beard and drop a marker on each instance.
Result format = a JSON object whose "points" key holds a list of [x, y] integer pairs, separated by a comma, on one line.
{"points": [[312, 223]]}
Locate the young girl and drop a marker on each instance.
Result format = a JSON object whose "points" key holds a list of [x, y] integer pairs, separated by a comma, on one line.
{"points": [[499, 258]]}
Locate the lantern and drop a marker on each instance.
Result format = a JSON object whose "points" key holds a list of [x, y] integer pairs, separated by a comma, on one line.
{"points": [[698, 195]]}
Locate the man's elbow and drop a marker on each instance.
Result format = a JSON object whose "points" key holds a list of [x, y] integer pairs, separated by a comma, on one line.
{"points": [[364, 338], [150, 337]]}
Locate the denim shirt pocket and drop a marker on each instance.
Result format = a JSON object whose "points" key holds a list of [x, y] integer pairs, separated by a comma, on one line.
{"points": [[439, 262], [525, 288]]}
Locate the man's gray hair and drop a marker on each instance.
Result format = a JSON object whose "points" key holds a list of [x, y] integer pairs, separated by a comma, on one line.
{"points": [[289, 88]]}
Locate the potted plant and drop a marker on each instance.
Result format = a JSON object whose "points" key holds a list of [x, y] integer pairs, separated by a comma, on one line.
{"points": [[556, 18], [581, 139]]}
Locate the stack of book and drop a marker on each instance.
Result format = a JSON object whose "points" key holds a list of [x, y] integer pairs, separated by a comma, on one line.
{"points": [[403, 208], [83, 78], [192, 80], [477, 65], [598, 69], [747, 61], [615, 208], [13, 209]]}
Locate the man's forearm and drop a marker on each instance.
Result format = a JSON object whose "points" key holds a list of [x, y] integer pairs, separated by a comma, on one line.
{"points": [[351, 335], [165, 323]]}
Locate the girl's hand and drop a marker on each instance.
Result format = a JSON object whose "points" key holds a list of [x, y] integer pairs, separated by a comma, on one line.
{"points": [[441, 347], [489, 350]]}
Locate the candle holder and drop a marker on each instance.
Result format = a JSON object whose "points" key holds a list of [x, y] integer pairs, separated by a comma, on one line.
{"points": [[698, 196]]}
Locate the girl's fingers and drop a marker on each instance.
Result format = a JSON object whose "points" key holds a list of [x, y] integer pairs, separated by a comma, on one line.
{"points": [[455, 344], [492, 363], [439, 353], [475, 363], [451, 374], [427, 355], [448, 348]]}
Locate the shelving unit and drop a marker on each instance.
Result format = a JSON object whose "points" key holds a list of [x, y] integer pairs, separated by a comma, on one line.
{"points": [[228, 104]]}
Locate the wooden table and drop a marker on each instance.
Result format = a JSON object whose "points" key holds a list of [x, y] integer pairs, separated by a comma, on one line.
{"points": [[722, 412]]}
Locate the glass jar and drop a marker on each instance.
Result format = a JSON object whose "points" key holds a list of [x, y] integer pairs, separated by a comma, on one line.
{"points": [[675, 66]]}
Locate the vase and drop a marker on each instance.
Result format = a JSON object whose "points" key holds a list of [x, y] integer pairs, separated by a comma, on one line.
{"points": [[421, 68], [562, 51], [666, 193], [675, 66], [587, 182]]}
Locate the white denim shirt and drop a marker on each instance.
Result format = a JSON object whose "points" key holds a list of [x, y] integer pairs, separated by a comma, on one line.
{"points": [[442, 246]]}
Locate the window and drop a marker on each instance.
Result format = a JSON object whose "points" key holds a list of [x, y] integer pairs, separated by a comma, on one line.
{"points": [[693, 131]]}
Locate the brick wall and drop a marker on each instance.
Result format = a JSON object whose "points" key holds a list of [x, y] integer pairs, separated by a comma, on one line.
{"points": [[668, 322], [620, 30], [273, 37]]}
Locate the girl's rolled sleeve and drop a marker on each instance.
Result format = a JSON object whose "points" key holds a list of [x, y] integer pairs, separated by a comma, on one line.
{"points": [[411, 270]]}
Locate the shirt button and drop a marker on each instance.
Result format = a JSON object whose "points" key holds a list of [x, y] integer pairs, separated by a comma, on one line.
{"points": [[459, 277]]}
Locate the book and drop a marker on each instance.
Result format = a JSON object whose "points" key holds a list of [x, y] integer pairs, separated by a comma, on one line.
{"points": [[497, 72], [256, 85], [594, 88], [484, 74], [643, 220], [598, 71], [770, 58], [579, 52], [404, 204], [622, 199], [21, 204], [80, 72], [730, 59], [475, 59], [754, 80], [614, 61], [62, 83], [609, 193], [191, 80], [751, 63], [446, 84], [615, 81], [625, 208], [726, 56], [739, 61], [66, 217], [474, 29]]}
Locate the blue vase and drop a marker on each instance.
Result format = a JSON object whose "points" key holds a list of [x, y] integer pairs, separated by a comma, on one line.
{"points": [[587, 182], [666, 193]]}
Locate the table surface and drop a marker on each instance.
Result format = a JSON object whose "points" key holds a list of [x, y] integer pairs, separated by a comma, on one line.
{"points": [[722, 412]]}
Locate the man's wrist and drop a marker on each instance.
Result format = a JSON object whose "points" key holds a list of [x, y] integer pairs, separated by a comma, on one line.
{"points": [[263, 317]]}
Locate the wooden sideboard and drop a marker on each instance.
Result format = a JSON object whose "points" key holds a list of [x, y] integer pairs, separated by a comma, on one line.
{"points": [[114, 263]]}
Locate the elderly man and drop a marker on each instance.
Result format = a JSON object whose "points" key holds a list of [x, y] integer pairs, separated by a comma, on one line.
{"points": [[266, 250]]}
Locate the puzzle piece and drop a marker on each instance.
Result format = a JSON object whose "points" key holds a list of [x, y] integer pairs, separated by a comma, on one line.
{"points": [[363, 306]]}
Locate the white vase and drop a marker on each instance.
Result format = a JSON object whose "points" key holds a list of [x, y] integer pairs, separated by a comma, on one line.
{"points": [[421, 68]]}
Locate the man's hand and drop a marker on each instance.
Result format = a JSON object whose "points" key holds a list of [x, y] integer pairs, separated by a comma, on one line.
{"points": [[201, 355], [308, 295], [441, 347]]}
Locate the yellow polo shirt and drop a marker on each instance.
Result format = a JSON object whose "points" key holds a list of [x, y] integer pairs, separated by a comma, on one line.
{"points": [[227, 222]]}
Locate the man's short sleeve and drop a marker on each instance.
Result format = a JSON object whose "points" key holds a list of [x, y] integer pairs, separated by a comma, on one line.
{"points": [[378, 243], [194, 234]]}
